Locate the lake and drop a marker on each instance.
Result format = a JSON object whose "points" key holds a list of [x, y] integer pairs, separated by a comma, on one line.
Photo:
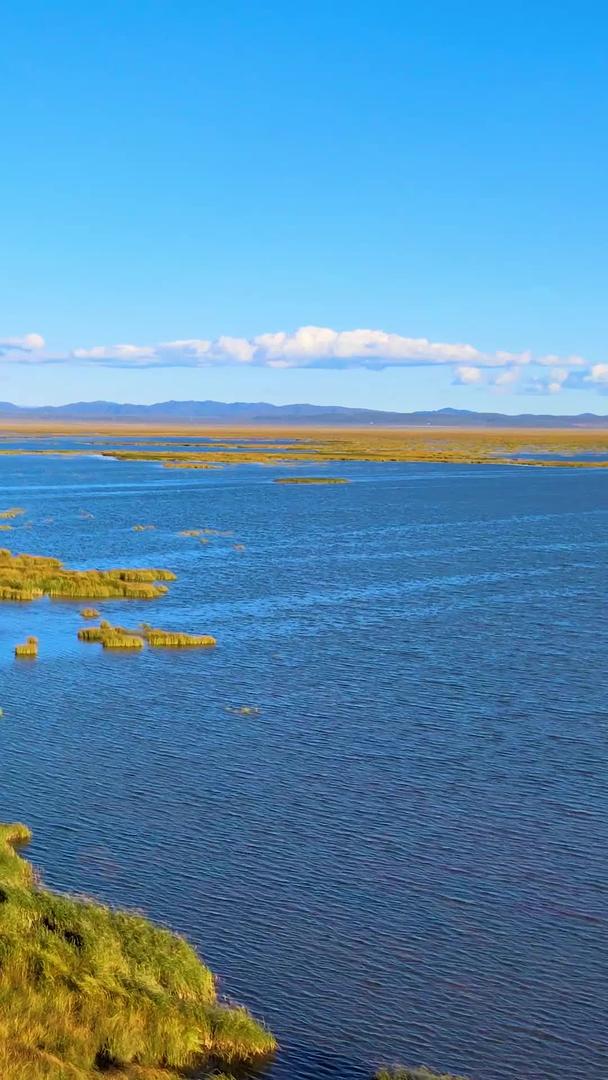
{"points": [[399, 853]]}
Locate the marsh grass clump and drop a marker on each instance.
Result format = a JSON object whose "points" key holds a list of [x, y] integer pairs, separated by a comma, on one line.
{"points": [[87, 991], [28, 577], [111, 637], [167, 639], [89, 613], [190, 532], [402, 1072], [142, 528], [29, 648], [91, 633], [113, 640], [12, 512], [119, 637]]}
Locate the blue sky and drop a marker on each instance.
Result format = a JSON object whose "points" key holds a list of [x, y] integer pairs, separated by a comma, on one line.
{"points": [[185, 185]]}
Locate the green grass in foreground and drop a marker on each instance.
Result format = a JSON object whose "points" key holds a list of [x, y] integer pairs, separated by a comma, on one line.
{"points": [[87, 991]]}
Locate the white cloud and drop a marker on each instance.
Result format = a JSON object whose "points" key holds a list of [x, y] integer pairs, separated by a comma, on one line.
{"points": [[507, 377], [598, 374], [126, 353], [464, 375], [324, 347], [21, 348], [311, 346]]}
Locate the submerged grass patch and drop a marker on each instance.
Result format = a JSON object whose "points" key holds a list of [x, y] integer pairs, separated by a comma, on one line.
{"points": [[28, 577], [87, 991], [12, 512], [403, 1072]]}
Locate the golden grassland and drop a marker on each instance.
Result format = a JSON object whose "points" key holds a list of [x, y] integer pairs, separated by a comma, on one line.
{"points": [[28, 577], [87, 991], [318, 445]]}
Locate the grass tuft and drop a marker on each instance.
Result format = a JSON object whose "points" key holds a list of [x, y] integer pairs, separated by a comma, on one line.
{"points": [[29, 648], [168, 639]]}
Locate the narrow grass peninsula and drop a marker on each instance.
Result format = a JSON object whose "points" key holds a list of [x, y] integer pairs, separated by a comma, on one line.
{"points": [[28, 577], [88, 992], [311, 480], [119, 637]]}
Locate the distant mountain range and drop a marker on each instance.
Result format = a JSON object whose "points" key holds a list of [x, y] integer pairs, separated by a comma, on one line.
{"points": [[262, 412]]}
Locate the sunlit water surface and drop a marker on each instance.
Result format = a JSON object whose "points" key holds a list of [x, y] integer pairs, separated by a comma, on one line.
{"points": [[402, 856]]}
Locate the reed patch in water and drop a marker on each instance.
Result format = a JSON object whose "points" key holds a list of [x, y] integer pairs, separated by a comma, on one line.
{"points": [[167, 639], [120, 637], [28, 577], [12, 512], [29, 648]]}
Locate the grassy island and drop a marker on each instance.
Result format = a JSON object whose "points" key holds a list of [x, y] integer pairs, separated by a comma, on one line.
{"points": [[87, 992], [119, 637], [28, 577], [311, 480]]}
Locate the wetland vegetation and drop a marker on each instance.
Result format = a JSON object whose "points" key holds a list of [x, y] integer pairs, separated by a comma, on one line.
{"points": [[325, 445], [119, 637], [88, 991], [295, 444], [29, 577], [12, 512], [29, 647]]}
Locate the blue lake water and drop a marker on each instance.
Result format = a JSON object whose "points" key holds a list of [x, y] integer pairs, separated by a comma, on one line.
{"points": [[402, 856]]}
